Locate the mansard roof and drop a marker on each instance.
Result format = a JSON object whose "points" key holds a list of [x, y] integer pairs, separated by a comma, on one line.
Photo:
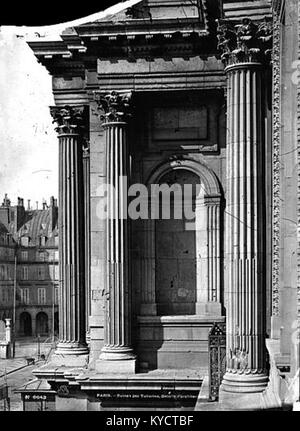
{"points": [[38, 223]]}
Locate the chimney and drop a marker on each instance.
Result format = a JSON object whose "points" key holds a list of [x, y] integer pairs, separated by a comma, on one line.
{"points": [[5, 211], [28, 204], [44, 205], [19, 214], [37, 205], [6, 201], [53, 214]]}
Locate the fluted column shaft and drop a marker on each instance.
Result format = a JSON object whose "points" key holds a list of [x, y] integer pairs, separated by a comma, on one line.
{"points": [[245, 231], [86, 182], [118, 315], [213, 262], [71, 232]]}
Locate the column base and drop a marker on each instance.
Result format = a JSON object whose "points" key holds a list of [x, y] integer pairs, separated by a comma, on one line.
{"points": [[244, 383], [229, 401], [116, 360], [71, 354], [116, 367]]}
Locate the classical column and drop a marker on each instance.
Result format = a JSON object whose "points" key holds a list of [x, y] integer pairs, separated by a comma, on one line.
{"points": [[117, 354], [244, 48], [70, 127]]}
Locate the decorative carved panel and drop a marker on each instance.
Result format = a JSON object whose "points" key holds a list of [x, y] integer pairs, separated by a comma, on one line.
{"points": [[180, 123], [217, 358]]}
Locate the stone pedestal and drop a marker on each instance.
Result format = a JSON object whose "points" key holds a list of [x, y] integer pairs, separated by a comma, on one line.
{"points": [[71, 349], [117, 354], [245, 210], [8, 330], [4, 350]]}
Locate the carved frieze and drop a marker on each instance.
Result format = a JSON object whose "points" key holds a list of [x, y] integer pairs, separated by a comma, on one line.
{"points": [[245, 42], [276, 194], [116, 106]]}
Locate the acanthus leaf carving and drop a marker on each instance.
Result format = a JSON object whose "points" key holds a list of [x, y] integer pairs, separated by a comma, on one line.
{"points": [[115, 105], [69, 119], [244, 42]]}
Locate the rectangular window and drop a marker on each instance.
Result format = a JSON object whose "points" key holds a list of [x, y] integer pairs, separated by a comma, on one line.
{"points": [[41, 295], [41, 256], [56, 295], [24, 241], [25, 295], [3, 272], [24, 255], [25, 273], [56, 272], [43, 240], [41, 273]]}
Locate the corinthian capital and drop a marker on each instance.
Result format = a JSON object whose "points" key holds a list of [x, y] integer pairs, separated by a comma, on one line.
{"points": [[69, 119], [115, 105], [245, 42]]}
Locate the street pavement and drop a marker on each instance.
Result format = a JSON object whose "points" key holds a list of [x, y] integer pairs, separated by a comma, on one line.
{"points": [[15, 372], [9, 365], [15, 380]]}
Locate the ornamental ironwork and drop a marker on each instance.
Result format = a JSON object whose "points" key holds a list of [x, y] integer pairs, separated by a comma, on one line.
{"points": [[217, 358]]}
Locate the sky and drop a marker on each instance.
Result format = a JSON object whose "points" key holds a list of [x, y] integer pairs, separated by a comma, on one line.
{"points": [[28, 142]]}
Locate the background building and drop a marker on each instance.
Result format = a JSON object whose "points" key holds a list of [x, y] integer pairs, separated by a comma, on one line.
{"points": [[29, 276]]}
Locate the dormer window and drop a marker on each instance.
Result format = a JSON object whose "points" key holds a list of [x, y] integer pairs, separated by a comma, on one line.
{"points": [[43, 240], [25, 241]]}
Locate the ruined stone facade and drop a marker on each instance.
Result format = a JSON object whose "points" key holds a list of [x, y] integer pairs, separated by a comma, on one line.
{"points": [[168, 92]]}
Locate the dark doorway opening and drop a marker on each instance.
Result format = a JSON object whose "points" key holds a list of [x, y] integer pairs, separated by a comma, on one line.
{"points": [[25, 324]]}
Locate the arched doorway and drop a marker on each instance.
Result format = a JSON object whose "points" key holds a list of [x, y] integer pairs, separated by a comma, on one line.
{"points": [[56, 328], [175, 245], [196, 274], [42, 323], [25, 324]]}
